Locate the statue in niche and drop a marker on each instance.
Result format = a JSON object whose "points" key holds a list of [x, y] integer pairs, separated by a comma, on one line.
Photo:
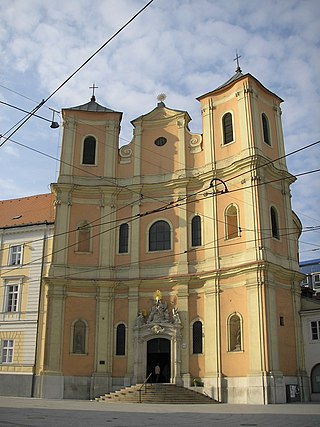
{"points": [[140, 320], [175, 316], [159, 311]]}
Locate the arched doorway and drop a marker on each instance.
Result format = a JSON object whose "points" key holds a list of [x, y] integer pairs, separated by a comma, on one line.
{"points": [[315, 379], [158, 352]]}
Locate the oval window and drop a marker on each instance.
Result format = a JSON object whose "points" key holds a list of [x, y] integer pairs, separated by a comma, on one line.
{"points": [[160, 141]]}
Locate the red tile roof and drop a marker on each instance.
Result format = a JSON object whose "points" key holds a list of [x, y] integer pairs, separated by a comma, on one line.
{"points": [[27, 211]]}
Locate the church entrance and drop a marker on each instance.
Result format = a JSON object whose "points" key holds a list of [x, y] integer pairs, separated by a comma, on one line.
{"points": [[158, 352]]}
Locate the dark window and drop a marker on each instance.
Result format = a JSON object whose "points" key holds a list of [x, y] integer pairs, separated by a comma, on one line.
{"points": [[274, 223], [159, 236], [196, 230], [231, 220], [227, 128], [79, 337], [89, 151], [121, 340], [197, 337], [315, 330], [123, 238], [160, 141], [265, 127]]}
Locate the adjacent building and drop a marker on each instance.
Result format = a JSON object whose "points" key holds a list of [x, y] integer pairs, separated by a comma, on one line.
{"points": [[26, 228], [178, 249], [311, 269], [310, 316]]}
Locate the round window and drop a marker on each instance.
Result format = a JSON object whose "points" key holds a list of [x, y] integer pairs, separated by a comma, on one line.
{"points": [[160, 141]]}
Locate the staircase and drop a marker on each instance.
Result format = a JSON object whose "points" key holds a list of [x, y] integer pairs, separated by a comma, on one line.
{"points": [[156, 393]]}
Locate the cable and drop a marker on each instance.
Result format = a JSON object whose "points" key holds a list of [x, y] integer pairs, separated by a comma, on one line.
{"points": [[32, 112], [156, 257], [25, 111]]}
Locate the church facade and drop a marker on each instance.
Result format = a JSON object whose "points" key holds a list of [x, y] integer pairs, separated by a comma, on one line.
{"points": [[177, 250]]}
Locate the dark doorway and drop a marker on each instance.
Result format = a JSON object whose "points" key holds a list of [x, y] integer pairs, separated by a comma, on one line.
{"points": [[158, 352]]}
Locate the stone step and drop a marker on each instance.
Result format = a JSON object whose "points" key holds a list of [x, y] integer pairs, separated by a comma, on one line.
{"points": [[156, 393]]}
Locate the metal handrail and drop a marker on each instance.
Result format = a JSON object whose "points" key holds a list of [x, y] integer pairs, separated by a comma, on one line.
{"points": [[144, 384]]}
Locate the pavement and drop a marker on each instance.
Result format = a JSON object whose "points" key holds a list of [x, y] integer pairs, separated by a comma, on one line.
{"points": [[31, 412]]}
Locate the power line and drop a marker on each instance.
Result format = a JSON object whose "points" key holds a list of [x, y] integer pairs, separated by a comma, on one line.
{"points": [[32, 112]]}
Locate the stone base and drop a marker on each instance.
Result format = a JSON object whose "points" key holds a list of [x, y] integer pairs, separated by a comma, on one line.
{"points": [[49, 386], [16, 385], [258, 390]]}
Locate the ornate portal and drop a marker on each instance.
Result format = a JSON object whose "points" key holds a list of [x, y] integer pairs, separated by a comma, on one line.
{"points": [[158, 322]]}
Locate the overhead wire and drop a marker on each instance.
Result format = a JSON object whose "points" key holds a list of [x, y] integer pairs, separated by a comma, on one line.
{"points": [[44, 101]]}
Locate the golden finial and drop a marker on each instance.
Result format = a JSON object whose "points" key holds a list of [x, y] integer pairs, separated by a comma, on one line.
{"points": [[157, 295]]}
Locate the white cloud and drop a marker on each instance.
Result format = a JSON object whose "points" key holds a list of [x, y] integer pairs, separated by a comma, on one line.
{"points": [[184, 48]]}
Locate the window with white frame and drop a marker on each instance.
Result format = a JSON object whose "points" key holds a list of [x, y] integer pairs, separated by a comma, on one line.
{"points": [[11, 298], [315, 330], [305, 281], [316, 280], [15, 255], [7, 351]]}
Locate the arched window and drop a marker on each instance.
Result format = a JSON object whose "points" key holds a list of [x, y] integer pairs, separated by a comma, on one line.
{"points": [[79, 337], [121, 340], [160, 236], [84, 235], [266, 130], [89, 151], [232, 222], [123, 238], [227, 128], [234, 333], [314, 376], [274, 223], [196, 231], [197, 337]]}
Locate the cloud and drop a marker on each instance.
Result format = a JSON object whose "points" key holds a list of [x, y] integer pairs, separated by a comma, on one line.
{"points": [[184, 48]]}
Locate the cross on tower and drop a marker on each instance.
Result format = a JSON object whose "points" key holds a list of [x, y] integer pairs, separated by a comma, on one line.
{"points": [[93, 87], [238, 70]]}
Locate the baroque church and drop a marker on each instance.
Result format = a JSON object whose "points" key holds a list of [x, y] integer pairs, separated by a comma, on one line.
{"points": [[177, 250]]}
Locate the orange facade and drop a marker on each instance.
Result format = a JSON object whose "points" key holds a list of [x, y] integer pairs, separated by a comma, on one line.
{"points": [[173, 250]]}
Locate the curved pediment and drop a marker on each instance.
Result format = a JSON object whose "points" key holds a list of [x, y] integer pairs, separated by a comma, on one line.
{"points": [[161, 113]]}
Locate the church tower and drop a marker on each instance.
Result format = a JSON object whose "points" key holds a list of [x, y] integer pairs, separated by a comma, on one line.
{"points": [[178, 249], [255, 245]]}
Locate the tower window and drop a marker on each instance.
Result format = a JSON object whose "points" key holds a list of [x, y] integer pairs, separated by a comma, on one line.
{"points": [[84, 234], [231, 222], [274, 223], [160, 141], [227, 128], [89, 151], [196, 231], [123, 238], [234, 332], [197, 337], [266, 130], [121, 340], [160, 236], [79, 337]]}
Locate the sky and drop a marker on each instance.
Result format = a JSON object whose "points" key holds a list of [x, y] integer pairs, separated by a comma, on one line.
{"points": [[183, 48]]}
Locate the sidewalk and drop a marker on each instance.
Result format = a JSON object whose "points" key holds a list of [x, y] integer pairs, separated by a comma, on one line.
{"points": [[28, 412]]}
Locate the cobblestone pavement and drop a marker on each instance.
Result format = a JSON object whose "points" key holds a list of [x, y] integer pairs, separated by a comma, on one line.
{"points": [[27, 412]]}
